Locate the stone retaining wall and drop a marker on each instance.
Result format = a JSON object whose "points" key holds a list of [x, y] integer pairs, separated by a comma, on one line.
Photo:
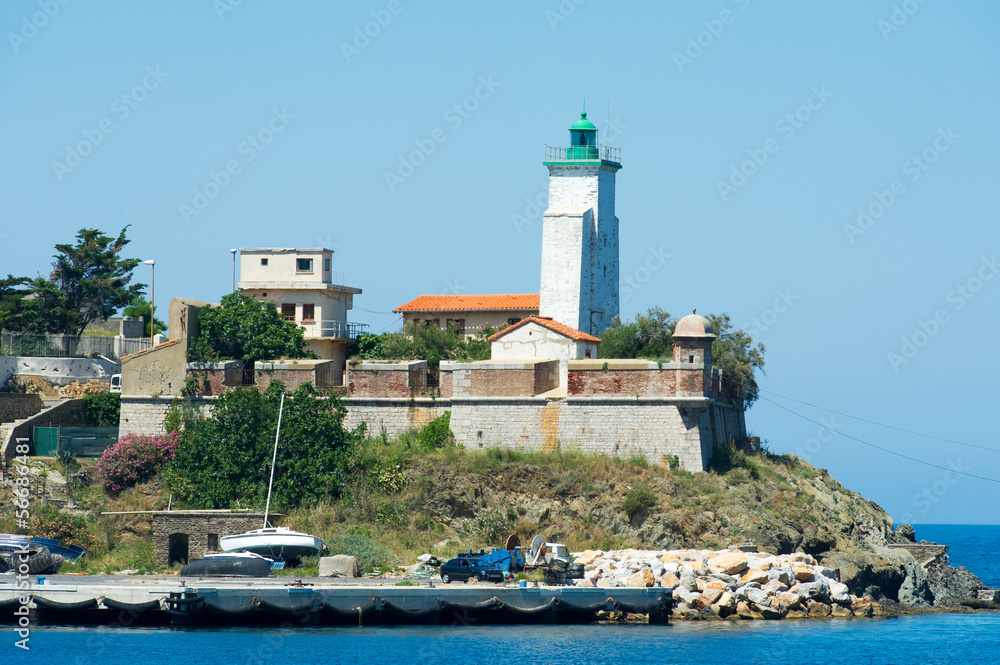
{"points": [[14, 406], [145, 415], [656, 428]]}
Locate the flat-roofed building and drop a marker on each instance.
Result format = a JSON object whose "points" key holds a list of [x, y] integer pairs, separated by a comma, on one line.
{"points": [[308, 291]]}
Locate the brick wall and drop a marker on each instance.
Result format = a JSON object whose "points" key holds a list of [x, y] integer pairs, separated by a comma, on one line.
{"points": [[497, 378], [393, 379], [198, 526]]}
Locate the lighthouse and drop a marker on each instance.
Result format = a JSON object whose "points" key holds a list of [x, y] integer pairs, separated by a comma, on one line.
{"points": [[579, 283]]}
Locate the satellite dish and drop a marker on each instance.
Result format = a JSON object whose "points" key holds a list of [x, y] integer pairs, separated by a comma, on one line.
{"points": [[513, 542], [536, 546]]}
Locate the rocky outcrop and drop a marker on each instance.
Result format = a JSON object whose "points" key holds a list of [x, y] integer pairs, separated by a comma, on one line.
{"points": [[781, 506]]}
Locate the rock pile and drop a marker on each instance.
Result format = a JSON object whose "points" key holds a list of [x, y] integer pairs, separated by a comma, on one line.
{"points": [[730, 584]]}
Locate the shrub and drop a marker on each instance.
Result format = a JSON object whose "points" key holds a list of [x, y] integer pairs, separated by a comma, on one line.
{"points": [[66, 528], [134, 459], [370, 554], [437, 433], [639, 498], [102, 410], [490, 525]]}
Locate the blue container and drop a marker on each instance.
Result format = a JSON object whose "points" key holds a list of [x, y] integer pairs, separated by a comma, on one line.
{"points": [[523, 583]]}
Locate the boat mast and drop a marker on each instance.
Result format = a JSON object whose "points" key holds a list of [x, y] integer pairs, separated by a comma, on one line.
{"points": [[274, 458]]}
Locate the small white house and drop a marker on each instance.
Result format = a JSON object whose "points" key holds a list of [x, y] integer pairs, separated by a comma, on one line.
{"points": [[541, 338]]}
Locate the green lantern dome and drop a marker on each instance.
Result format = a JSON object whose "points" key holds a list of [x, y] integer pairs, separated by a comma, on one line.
{"points": [[583, 124], [583, 139]]}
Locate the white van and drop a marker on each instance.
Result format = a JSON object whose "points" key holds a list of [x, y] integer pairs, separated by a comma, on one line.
{"points": [[116, 383]]}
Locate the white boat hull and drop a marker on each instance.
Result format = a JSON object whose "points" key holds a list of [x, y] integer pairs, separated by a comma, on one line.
{"points": [[275, 542]]}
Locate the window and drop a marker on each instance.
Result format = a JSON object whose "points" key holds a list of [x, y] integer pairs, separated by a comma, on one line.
{"points": [[213, 542], [511, 322], [303, 265], [690, 359], [309, 312], [416, 321], [586, 354], [288, 311], [263, 262], [460, 323], [326, 265]]}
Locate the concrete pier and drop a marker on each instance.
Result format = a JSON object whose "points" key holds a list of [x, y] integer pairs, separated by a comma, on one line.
{"points": [[150, 600]]}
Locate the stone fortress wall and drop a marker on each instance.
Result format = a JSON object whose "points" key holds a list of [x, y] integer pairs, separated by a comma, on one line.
{"points": [[626, 408]]}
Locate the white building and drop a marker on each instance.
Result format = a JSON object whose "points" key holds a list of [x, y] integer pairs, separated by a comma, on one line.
{"points": [[301, 282], [541, 338], [579, 285]]}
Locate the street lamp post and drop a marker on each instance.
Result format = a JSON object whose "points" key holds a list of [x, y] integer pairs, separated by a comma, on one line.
{"points": [[233, 252], [152, 299]]}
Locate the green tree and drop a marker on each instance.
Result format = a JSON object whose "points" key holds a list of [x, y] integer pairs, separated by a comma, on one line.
{"points": [[649, 336], [32, 305], [242, 328], [735, 353], [368, 347], [93, 277], [434, 344], [225, 459], [141, 307]]}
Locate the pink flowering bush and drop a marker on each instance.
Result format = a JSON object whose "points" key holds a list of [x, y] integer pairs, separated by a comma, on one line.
{"points": [[134, 459]]}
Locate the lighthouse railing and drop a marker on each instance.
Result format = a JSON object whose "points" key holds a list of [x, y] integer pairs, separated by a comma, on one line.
{"points": [[560, 153]]}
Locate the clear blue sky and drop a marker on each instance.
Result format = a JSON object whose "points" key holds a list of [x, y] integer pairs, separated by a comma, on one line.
{"points": [[834, 100]]}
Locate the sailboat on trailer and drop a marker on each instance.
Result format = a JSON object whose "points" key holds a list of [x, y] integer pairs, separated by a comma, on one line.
{"points": [[276, 542]]}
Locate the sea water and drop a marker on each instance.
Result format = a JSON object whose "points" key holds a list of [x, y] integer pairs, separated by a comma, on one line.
{"points": [[906, 640]]}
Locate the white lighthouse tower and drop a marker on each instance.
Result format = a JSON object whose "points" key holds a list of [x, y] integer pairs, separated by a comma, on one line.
{"points": [[579, 285]]}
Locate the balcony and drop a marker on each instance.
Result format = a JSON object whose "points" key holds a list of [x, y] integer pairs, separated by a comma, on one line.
{"points": [[582, 153], [334, 329]]}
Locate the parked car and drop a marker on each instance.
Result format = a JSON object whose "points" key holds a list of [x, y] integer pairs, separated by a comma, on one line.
{"points": [[467, 568]]}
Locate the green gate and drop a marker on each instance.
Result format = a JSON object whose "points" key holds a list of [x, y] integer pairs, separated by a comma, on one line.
{"points": [[46, 441]]}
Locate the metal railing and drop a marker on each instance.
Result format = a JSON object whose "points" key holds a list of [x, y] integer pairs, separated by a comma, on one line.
{"points": [[561, 153], [69, 346], [341, 329]]}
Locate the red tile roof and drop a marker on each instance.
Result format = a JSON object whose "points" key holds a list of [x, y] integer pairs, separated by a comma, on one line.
{"points": [[547, 322], [504, 302]]}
